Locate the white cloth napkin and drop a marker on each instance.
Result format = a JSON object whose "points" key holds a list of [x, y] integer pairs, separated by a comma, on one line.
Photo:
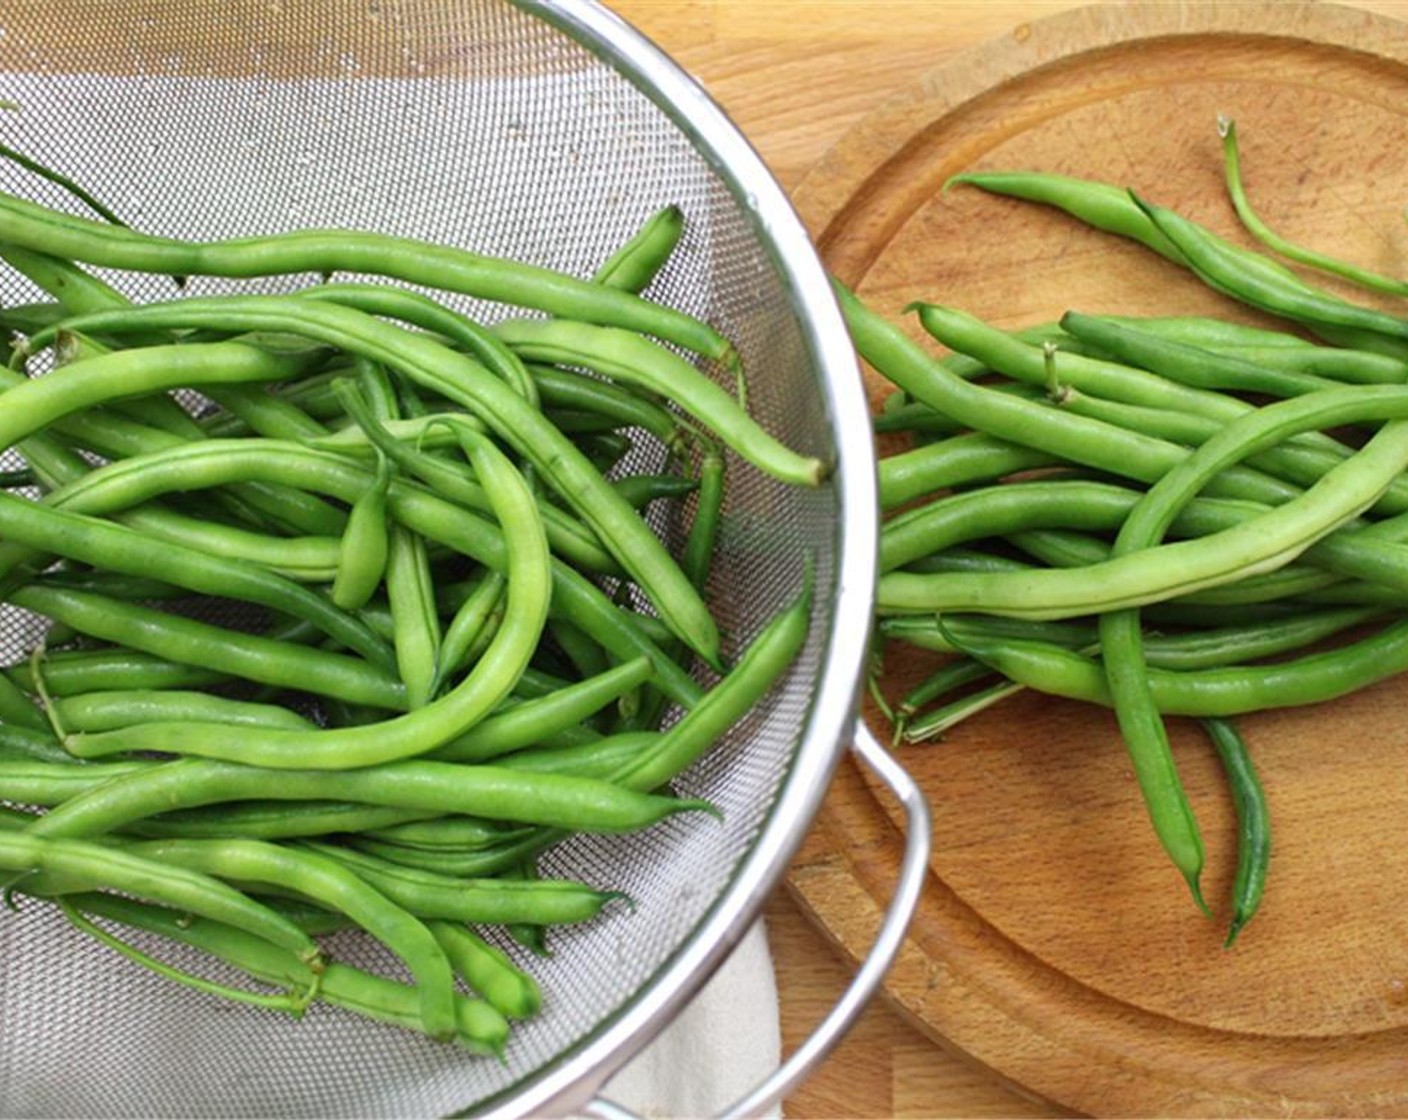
{"points": [[721, 1047]]}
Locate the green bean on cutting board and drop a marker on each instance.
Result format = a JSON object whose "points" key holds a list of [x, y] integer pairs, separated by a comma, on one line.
{"points": [[334, 602], [1076, 459]]}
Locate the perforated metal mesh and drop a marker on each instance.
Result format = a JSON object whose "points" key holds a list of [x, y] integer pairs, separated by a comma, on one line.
{"points": [[474, 123]]}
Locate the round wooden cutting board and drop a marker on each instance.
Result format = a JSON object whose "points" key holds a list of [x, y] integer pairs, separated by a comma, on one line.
{"points": [[1055, 944]]}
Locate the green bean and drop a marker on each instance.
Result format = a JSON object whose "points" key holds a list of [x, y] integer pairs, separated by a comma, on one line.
{"points": [[1062, 548], [1211, 647], [307, 559], [1187, 362], [1232, 165], [292, 1002], [747, 682], [114, 436], [362, 556], [595, 758], [1100, 205], [273, 820], [1229, 690], [416, 624], [959, 461], [937, 721], [1253, 823], [73, 672], [701, 542], [422, 311], [917, 418], [639, 361], [1356, 367], [32, 779], [535, 720], [66, 183], [130, 589], [27, 318], [637, 549], [446, 833], [580, 652], [464, 863], [26, 744], [18, 709], [533, 936], [1299, 462], [1261, 282], [636, 263], [479, 1028], [103, 711], [951, 675], [493, 901], [221, 650], [471, 628], [35, 403], [967, 560], [497, 792], [488, 970], [995, 511], [640, 490], [1217, 334], [264, 413], [1255, 280], [313, 875], [327, 251], [89, 866], [565, 388]]}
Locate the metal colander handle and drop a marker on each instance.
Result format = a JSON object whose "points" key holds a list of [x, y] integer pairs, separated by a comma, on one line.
{"points": [[888, 940]]}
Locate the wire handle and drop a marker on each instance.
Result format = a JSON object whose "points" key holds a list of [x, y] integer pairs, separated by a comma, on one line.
{"points": [[910, 883]]}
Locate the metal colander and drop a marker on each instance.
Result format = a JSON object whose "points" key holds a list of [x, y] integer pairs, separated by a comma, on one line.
{"points": [[547, 132]]}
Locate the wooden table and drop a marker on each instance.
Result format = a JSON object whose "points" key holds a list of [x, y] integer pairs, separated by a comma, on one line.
{"points": [[795, 77]]}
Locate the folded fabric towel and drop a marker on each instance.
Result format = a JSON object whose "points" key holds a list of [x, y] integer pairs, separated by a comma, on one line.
{"points": [[722, 1045]]}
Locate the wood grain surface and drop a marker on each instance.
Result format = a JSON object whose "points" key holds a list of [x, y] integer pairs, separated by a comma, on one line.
{"points": [[1056, 965]]}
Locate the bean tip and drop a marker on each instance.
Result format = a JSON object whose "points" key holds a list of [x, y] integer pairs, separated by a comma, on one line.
{"points": [[961, 178], [1233, 929], [608, 897], [700, 805], [1197, 891]]}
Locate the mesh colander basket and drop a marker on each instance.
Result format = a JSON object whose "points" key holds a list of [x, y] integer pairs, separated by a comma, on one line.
{"points": [[546, 132]]}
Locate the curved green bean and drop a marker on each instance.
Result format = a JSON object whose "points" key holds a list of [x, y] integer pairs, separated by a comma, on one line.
{"points": [[34, 227], [640, 361], [1253, 823], [421, 729], [312, 875], [535, 721], [636, 263]]}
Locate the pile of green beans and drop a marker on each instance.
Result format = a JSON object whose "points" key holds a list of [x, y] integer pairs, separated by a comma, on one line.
{"points": [[1176, 516], [351, 607]]}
